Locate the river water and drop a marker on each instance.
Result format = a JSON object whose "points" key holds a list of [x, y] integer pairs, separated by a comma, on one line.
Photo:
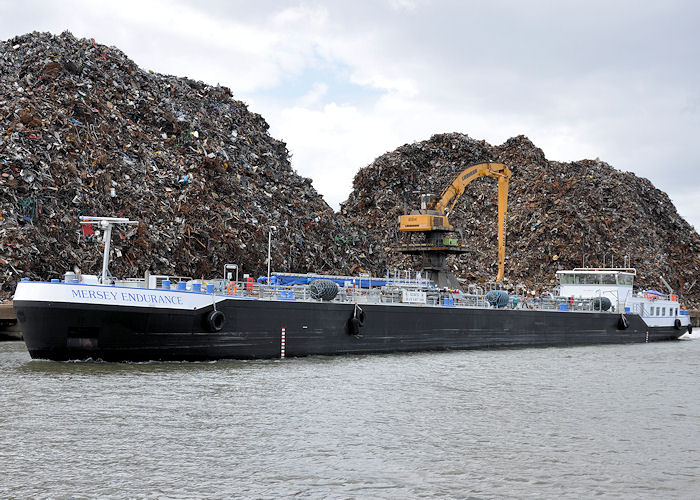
{"points": [[609, 421]]}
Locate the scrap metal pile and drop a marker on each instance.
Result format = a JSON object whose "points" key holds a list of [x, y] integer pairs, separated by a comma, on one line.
{"points": [[84, 131], [560, 215]]}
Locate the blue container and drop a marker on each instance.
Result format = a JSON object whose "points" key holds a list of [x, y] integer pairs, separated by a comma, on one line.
{"points": [[286, 295], [55, 280], [627, 310], [210, 288], [196, 287], [182, 286], [165, 284], [563, 307]]}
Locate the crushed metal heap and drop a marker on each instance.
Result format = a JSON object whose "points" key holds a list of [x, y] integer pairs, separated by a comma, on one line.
{"points": [[558, 214], [84, 131]]}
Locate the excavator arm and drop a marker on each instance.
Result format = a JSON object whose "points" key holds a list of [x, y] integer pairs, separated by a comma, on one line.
{"points": [[503, 181]]}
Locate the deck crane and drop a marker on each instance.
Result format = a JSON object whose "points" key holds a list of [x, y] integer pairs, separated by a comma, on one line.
{"points": [[432, 218]]}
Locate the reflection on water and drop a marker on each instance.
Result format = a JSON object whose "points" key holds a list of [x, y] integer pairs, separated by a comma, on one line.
{"points": [[564, 422]]}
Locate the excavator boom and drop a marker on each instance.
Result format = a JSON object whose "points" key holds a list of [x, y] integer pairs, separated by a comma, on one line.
{"points": [[449, 197]]}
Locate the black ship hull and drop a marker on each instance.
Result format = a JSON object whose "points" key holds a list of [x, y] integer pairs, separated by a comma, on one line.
{"points": [[252, 329]]}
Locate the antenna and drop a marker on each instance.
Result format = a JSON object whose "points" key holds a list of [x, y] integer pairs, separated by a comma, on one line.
{"points": [[670, 290]]}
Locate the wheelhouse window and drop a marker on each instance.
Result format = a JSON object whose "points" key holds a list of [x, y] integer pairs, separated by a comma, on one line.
{"points": [[608, 279], [592, 279], [566, 279], [663, 311], [625, 279]]}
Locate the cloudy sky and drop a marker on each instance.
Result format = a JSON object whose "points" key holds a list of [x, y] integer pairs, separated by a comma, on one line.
{"points": [[343, 82]]}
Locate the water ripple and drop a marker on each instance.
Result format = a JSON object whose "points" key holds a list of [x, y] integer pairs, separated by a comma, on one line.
{"points": [[579, 422]]}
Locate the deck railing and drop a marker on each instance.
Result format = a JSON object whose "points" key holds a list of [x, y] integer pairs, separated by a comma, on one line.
{"points": [[391, 294]]}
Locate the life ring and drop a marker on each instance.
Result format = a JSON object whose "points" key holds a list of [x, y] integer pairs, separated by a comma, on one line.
{"points": [[215, 321], [228, 289], [677, 324], [622, 323]]}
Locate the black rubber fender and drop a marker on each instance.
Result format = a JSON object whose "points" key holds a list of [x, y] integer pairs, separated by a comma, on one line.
{"points": [[361, 317], [690, 329], [215, 321], [677, 324], [354, 325], [622, 323], [601, 304], [323, 289]]}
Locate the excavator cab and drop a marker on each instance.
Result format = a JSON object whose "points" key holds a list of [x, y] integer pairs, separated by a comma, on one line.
{"points": [[424, 222], [425, 219], [427, 201]]}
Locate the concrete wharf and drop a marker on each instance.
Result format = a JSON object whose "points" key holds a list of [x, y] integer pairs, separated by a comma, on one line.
{"points": [[9, 329]]}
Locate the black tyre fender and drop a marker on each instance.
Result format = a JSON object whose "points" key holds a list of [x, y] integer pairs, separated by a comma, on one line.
{"points": [[215, 321], [690, 329], [361, 317], [622, 323], [677, 324]]}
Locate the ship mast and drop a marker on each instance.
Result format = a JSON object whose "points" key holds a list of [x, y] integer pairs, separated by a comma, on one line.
{"points": [[106, 223]]}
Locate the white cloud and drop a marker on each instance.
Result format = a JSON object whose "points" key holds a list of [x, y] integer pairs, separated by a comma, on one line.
{"points": [[314, 96], [402, 4], [326, 140], [687, 202], [405, 87]]}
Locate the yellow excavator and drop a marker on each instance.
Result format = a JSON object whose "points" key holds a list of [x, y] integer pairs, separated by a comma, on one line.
{"points": [[432, 217]]}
